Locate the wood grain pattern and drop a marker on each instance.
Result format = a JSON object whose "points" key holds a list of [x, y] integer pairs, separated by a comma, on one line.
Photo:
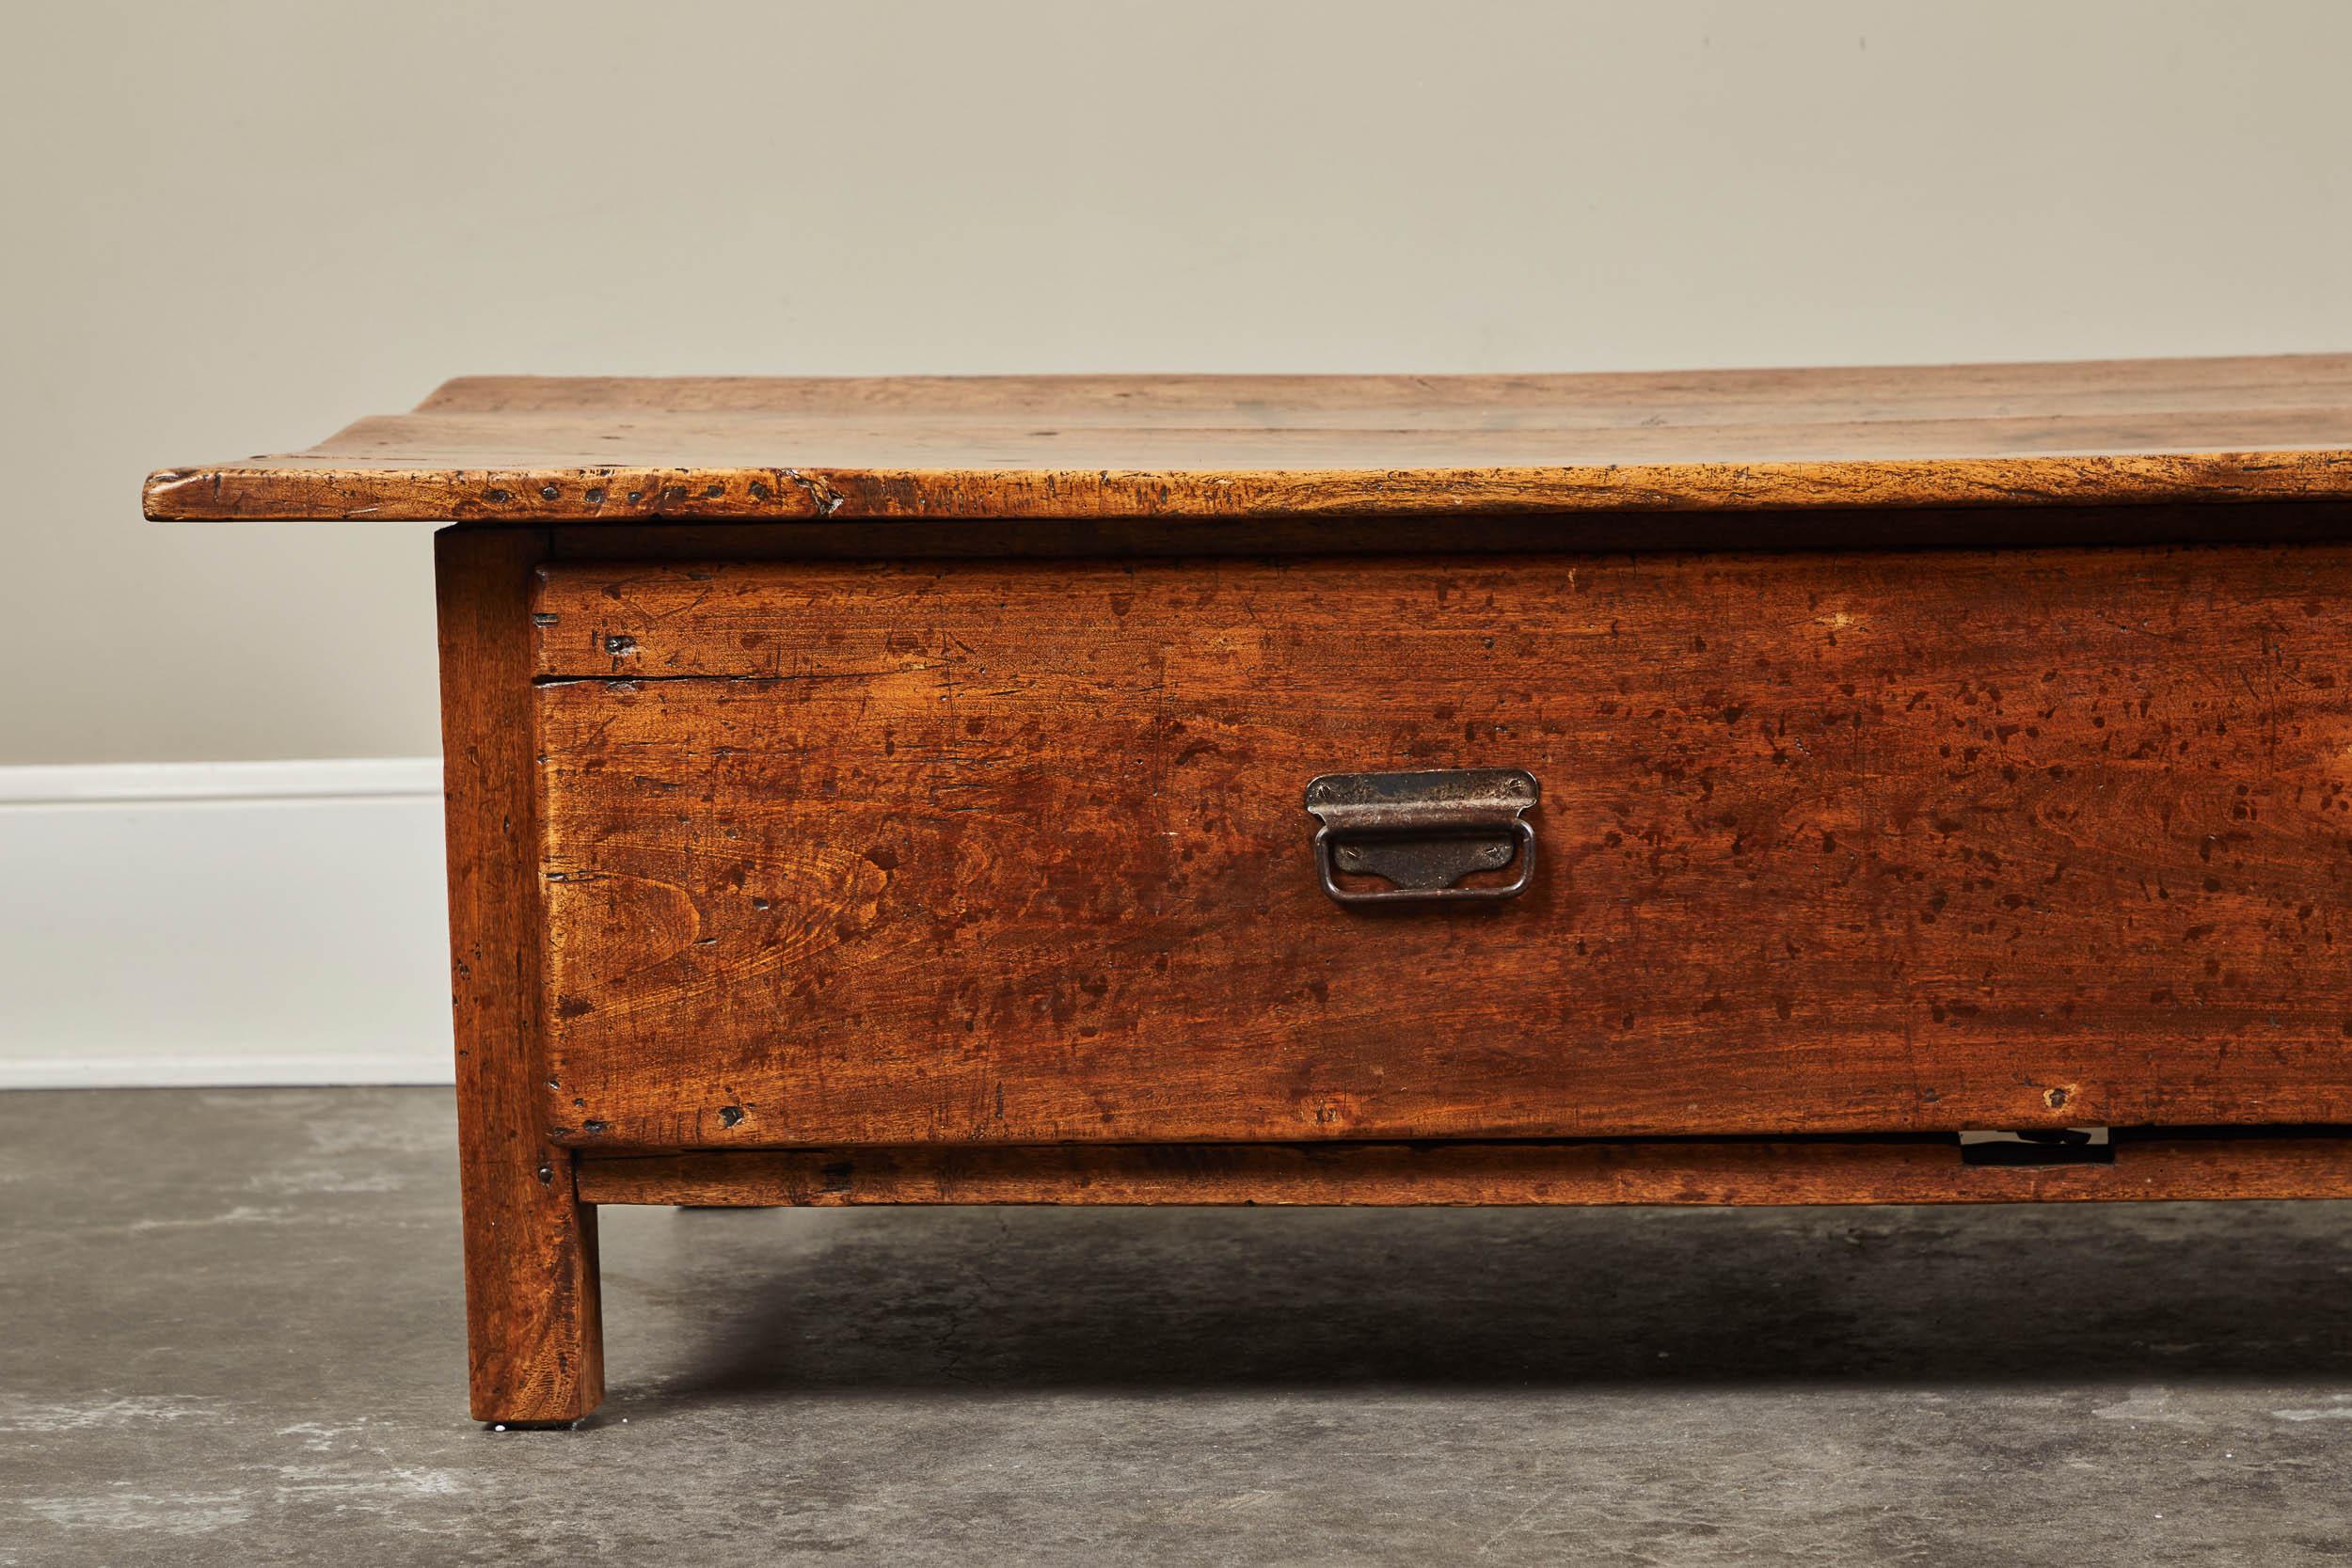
{"points": [[532, 1315], [527, 449], [893, 860], [1013, 852], [1674, 1171]]}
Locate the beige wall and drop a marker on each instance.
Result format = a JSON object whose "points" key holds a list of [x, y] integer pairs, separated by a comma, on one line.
{"points": [[236, 226]]}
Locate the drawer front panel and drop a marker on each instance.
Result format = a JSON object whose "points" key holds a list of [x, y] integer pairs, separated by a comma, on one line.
{"points": [[1005, 853]]}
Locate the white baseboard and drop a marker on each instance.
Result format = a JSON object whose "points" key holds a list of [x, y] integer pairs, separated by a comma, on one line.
{"points": [[238, 922]]}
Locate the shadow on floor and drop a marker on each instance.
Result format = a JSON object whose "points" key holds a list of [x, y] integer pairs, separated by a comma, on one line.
{"points": [[756, 1302]]}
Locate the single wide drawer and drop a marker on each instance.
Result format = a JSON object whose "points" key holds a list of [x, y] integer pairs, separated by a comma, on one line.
{"points": [[1004, 852]]}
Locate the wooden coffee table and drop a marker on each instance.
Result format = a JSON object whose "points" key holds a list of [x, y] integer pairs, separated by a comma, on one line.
{"points": [[1857, 785]]}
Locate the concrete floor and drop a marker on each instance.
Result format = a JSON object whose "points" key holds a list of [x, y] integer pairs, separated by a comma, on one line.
{"points": [[230, 1333]]}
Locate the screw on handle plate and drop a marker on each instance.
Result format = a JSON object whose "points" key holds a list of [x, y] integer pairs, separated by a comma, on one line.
{"points": [[1422, 832]]}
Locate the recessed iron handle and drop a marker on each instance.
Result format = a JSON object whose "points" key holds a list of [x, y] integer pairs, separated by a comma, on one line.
{"points": [[1423, 833]]}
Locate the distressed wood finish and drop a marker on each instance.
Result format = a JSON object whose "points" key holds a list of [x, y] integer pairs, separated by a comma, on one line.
{"points": [[1003, 852], [889, 791], [531, 1314], [528, 449], [1666, 1172]]}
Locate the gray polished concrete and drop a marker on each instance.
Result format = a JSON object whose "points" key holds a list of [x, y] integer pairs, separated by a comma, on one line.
{"points": [[229, 1333]]}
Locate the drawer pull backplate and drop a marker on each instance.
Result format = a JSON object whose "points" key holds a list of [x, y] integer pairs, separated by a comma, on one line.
{"points": [[1423, 833]]}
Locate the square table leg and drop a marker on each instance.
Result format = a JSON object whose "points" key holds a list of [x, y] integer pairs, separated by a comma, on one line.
{"points": [[532, 1312]]}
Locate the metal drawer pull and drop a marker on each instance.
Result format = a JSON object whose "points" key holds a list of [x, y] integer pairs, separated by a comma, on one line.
{"points": [[1422, 832]]}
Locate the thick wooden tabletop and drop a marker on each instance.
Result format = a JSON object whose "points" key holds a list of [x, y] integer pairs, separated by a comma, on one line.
{"points": [[532, 448]]}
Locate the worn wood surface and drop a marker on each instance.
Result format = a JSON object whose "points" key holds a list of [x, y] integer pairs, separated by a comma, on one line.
{"points": [[532, 1313], [1006, 852], [530, 449], [1666, 1171]]}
